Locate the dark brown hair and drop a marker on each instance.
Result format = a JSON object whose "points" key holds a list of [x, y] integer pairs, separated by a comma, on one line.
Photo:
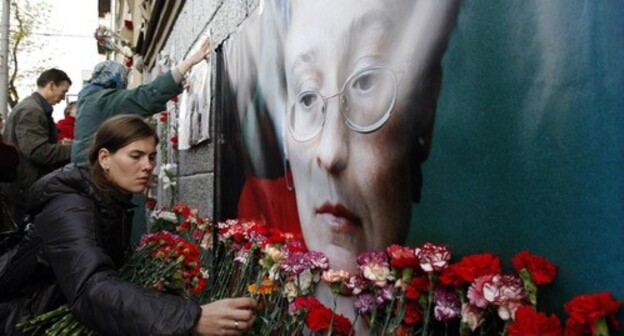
{"points": [[52, 75], [114, 134]]}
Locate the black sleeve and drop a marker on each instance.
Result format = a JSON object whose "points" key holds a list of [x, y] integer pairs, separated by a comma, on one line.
{"points": [[90, 283]]}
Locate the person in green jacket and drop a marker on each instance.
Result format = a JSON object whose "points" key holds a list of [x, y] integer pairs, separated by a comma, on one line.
{"points": [[32, 130], [106, 96]]}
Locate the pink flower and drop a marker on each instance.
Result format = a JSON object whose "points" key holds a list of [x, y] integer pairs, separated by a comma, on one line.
{"points": [[317, 260], [472, 316], [364, 304], [295, 263], [433, 258], [506, 292], [512, 296], [376, 257], [374, 266], [476, 289], [447, 304], [356, 284], [335, 276], [384, 295], [377, 273]]}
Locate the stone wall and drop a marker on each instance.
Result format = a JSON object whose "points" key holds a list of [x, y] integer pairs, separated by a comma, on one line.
{"points": [[196, 165]]}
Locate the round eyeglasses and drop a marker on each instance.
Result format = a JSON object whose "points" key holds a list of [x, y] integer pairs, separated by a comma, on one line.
{"points": [[367, 99]]}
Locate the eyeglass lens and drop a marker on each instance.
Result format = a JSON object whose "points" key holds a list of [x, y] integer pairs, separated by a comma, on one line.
{"points": [[366, 98]]}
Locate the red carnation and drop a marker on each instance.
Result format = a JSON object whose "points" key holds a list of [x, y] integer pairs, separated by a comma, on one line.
{"points": [[413, 313], [470, 268], [163, 116], [201, 284], [531, 323], [174, 99], [295, 245], [417, 286], [150, 203], [319, 318], [402, 331], [402, 257], [306, 302], [541, 270], [586, 310], [182, 209]]}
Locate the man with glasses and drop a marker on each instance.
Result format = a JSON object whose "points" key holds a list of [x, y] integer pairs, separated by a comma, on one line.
{"points": [[362, 80]]}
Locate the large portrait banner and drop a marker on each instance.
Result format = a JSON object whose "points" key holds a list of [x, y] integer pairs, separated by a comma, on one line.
{"points": [[487, 127]]}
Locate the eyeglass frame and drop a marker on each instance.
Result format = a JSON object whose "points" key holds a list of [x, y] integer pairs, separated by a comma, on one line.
{"points": [[364, 130]]}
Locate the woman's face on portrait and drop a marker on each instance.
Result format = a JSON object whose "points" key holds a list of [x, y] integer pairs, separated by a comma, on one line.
{"points": [[130, 167], [352, 187]]}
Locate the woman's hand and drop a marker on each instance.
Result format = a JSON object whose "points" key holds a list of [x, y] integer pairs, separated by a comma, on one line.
{"points": [[226, 317], [198, 56]]}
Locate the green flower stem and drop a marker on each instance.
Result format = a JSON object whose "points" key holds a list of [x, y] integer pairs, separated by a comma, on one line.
{"points": [[427, 317], [374, 310], [401, 313], [352, 330], [601, 327], [335, 289], [389, 309], [529, 286]]}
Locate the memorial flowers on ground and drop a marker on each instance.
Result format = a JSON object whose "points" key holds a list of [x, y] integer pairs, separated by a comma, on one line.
{"points": [[401, 290]]}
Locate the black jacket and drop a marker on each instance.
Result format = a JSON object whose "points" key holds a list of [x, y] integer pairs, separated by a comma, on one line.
{"points": [[80, 235], [32, 130]]}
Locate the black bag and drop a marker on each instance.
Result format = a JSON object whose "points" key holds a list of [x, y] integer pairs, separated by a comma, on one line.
{"points": [[19, 262]]}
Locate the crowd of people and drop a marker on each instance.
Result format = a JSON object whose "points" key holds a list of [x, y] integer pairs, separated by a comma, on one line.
{"points": [[65, 190]]}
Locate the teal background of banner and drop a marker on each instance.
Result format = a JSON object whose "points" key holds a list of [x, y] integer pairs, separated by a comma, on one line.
{"points": [[528, 148]]}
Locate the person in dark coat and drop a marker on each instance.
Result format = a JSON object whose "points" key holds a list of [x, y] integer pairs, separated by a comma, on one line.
{"points": [[106, 95], [81, 227], [32, 130], [9, 160]]}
